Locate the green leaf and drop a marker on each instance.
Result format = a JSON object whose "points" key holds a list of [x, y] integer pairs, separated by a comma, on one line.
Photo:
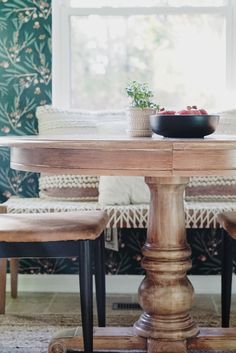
{"points": [[140, 95]]}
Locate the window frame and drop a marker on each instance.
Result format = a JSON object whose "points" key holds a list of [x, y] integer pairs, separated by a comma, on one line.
{"points": [[62, 11]]}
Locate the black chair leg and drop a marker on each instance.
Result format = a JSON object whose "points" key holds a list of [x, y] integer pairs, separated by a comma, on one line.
{"points": [[226, 278], [86, 293], [100, 280]]}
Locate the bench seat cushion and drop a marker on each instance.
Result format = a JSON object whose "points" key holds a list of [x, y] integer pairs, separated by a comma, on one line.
{"points": [[197, 214]]}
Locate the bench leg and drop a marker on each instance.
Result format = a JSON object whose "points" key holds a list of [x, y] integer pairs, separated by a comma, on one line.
{"points": [[86, 293], [226, 277], [3, 276], [14, 266], [100, 280]]}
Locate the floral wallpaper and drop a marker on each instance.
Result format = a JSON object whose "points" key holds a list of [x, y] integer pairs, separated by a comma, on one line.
{"points": [[25, 72], [25, 83]]}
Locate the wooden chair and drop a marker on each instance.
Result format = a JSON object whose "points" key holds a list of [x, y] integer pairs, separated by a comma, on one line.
{"points": [[63, 234], [14, 266], [227, 220]]}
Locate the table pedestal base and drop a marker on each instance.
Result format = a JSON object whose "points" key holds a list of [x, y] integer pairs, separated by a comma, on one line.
{"points": [[123, 338]]}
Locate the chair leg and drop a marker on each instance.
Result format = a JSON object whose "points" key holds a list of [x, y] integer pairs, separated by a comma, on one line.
{"points": [[100, 280], [86, 293], [3, 276], [226, 278], [14, 266]]}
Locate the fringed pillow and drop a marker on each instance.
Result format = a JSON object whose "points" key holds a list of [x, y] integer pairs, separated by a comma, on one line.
{"points": [[212, 188], [69, 187]]}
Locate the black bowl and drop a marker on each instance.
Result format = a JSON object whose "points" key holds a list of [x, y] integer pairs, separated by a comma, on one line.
{"points": [[187, 126]]}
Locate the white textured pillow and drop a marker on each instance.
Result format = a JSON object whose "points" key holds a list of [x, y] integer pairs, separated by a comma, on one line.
{"points": [[52, 120], [227, 123], [123, 190]]}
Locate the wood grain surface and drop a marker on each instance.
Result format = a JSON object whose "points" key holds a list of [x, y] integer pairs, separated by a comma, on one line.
{"points": [[58, 226], [215, 155]]}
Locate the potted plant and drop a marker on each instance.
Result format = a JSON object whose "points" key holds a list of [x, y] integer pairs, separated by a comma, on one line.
{"points": [[140, 109]]}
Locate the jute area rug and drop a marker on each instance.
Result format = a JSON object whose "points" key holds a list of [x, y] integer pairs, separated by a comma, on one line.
{"points": [[31, 333]]}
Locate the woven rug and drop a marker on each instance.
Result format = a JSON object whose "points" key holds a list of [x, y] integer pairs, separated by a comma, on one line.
{"points": [[31, 333]]}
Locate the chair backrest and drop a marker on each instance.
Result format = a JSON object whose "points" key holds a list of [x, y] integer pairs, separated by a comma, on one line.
{"points": [[227, 123]]}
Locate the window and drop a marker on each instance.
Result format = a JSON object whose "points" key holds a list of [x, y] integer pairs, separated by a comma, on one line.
{"points": [[184, 49]]}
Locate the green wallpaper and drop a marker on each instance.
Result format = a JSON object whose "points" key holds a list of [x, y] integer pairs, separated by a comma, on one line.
{"points": [[25, 81]]}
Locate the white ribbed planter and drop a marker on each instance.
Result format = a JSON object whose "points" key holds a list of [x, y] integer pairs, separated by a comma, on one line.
{"points": [[139, 122]]}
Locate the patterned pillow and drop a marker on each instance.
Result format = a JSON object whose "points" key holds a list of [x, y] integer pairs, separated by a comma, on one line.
{"points": [[55, 121], [69, 187], [211, 189]]}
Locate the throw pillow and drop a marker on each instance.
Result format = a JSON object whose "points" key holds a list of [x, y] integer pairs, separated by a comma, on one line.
{"points": [[69, 187], [211, 189], [57, 121], [227, 123], [123, 190]]}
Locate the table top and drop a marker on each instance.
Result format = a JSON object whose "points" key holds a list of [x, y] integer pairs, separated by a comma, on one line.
{"points": [[124, 155], [82, 141]]}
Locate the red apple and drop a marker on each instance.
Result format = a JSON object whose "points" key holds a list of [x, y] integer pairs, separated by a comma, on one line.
{"points": [[203, 111], [184, 112], [195, 112], [190, 111], [166, 112]]}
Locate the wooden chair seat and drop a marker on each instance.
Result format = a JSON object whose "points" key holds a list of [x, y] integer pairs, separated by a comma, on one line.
{"points": [[228, 221], [84, 230], [44, 227]]}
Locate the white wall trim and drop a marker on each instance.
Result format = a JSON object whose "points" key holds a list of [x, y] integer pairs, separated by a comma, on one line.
{"points": [[230, 47], [115, 284], [61, 69]]}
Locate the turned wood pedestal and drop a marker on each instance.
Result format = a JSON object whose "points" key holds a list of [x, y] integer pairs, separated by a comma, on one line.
{"points": [[165, 294]]}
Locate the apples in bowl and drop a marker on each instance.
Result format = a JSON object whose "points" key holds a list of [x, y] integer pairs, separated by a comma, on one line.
{"points": [[186, 123]]}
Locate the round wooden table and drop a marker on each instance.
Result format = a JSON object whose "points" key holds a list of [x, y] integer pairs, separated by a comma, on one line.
{"points": [[165, 294]]}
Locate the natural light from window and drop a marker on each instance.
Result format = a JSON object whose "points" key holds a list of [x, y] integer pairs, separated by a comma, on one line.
{"points": [[179, 47], [181, 57]]}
